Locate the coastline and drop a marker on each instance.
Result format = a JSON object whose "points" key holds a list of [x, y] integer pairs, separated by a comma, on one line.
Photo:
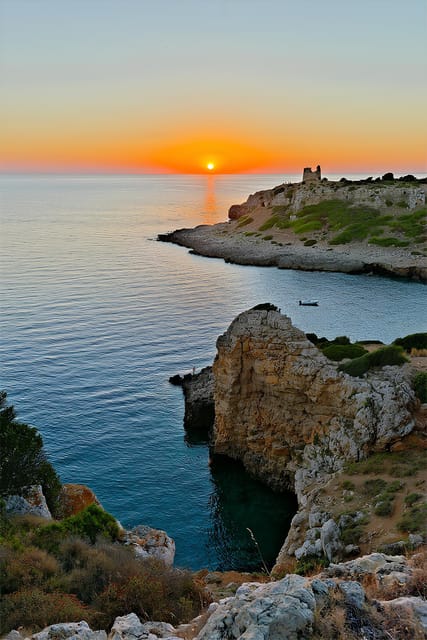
{"points": [[227, 241]]}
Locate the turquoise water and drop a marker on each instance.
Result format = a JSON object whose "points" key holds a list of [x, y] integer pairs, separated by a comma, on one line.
{"points": [[96, 315]]}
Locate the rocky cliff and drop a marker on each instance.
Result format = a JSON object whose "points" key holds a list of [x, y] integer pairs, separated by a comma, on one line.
{"points": [[293, 419], [286, 411], [296, 196]]}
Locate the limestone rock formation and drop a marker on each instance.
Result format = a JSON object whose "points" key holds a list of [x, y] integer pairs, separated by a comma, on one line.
{"points": [[198, 394], [75, 498], [130, 627], [150, 543], [312, 191], [31, 502], [293, 419], [71, 631], [286, 411], [290, 608]]}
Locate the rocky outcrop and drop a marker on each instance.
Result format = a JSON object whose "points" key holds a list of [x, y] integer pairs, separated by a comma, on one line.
{"points": [[199, 406], [293, 419], [150, 543], [296, 196], [370, 597], [31, 502], [76, 497], [288, 414], [130, 627], [293, 608]]}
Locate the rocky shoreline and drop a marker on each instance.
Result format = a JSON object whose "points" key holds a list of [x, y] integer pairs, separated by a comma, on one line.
{"points": [[301, 226], [222, 241]]}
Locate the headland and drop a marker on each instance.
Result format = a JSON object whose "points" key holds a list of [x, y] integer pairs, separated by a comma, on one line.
{"points": [[365, 226]]}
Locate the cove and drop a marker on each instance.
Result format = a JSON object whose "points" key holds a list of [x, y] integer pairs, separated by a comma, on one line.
{"points": [[241, 502]]}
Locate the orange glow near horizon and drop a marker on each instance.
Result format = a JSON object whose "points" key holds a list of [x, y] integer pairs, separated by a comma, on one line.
{"points": [[90, 151]]}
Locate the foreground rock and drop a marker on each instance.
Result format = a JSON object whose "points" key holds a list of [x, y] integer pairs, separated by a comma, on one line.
{"points": [[370, 597], [297, 607]]}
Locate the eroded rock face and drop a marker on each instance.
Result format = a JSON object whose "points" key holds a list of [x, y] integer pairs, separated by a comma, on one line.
{"points": [[199, 400], [293, 419], [286, 411]]}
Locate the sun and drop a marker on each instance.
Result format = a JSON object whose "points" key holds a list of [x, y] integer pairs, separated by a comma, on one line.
{"points": [[210, 166]]}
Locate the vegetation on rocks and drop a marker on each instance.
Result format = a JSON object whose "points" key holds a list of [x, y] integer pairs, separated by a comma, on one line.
{"points": [[23, 460], [385, 356], [61, 573], [412, 341], [420, 385]]}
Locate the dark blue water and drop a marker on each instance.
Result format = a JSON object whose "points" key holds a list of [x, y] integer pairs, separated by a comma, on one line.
{"points": [[96, 315]]}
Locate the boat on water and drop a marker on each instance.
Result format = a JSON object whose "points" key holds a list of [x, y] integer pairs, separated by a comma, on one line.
{"points": [[308, 303]]}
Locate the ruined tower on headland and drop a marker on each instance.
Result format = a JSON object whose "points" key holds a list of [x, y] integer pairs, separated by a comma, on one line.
{"points": [[311, 176]]}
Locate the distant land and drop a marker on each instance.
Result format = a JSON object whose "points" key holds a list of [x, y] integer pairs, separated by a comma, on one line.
{"points": [[351, 226]]}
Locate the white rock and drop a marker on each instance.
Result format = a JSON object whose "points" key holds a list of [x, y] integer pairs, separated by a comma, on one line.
{"points": [[31, 502], [415, 604], [151, 543], [330, 537], [274, 611], [69, 631]]}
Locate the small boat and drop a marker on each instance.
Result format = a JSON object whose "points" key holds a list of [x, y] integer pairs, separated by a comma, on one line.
{"points": [[308, 303]]}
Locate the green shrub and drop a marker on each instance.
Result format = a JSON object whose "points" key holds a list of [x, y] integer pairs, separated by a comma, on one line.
{"points": [[420, 386], [310, 242], [385, 356], [412, 498], [384, 507], [374, 486], [267, 237], [23, 461], [309, 564], [390, 355], [414, 519], [352, 534], [348, 485], [339, 352], [412, 341], [356, 367], [91, 523]]}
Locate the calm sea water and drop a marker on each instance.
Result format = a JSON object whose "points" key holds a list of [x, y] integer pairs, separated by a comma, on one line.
{"points": [[96, 315]]}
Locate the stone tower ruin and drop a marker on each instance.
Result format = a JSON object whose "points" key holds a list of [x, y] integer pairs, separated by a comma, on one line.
{"points": [[311, 176]]}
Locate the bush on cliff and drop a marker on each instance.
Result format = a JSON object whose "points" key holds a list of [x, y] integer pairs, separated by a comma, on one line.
{"points": [[76, 580], [90, 524], [340, 351], [412, 341], [420, 386], [386, 356], [23, 461]]}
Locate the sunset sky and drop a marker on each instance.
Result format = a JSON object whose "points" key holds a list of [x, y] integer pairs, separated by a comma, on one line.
{"points": [[247, 85]]}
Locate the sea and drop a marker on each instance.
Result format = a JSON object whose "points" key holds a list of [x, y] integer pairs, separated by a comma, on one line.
{"points": [[96, 315]]}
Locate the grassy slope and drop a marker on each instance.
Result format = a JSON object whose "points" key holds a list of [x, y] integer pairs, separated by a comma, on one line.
{"points": [[340, 222]]}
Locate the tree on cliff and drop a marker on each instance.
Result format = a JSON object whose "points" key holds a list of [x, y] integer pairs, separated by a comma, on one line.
{"points": [[23, 461]]}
